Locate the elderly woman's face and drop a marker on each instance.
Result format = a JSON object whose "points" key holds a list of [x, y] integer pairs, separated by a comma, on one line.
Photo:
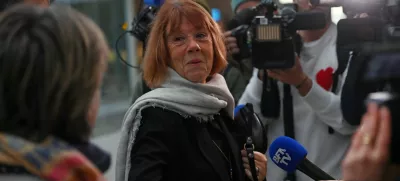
{"points": [[191, 52]]}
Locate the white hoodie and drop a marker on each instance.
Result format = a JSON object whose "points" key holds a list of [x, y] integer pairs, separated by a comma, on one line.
{"points": [[313, 113]]}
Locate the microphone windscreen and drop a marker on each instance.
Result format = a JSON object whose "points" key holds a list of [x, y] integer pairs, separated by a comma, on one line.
{"points": [[309, 21], [237, 108], [330, 3], [287, 153], [360, 30]]}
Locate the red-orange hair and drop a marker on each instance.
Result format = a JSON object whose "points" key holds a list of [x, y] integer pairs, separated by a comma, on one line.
{"points": [[169, 18]]}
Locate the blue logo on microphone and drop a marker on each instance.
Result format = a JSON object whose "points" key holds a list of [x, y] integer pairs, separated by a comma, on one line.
{"points": [[282, 157], [287, 153]]}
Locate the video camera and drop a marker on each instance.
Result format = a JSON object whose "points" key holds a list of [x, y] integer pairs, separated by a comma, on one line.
{"points": [[269, 38], [371, 46], [140, 25]]}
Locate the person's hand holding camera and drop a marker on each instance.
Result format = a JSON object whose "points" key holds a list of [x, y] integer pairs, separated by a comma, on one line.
{"points": [[368, 155], [293, 76], [230, 43]]}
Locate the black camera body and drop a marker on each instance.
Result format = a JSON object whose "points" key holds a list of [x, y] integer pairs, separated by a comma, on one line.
{"points": [[273, 43], [141, 23], [371, 46], [271, 39], [243, 40]]}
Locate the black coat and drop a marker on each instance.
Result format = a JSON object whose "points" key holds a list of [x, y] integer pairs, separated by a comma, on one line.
{"points": [[169, 147]]}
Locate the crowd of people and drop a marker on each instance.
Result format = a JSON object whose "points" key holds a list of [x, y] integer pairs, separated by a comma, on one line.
{"points": [[182, 124]]}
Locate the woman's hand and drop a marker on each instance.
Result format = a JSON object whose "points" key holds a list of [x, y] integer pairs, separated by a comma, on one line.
{"points": [[261, 165], [368, 155]]}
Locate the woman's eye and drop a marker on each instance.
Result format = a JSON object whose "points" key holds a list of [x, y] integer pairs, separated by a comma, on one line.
{"points": [[201, 35], [179, 39]]}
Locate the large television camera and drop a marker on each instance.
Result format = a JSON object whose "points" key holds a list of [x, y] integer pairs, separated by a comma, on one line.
{"points": [[372, 47], [269, 35]]}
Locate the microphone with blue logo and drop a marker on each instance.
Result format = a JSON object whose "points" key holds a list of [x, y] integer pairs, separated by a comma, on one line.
{"points": [[290, 155]]}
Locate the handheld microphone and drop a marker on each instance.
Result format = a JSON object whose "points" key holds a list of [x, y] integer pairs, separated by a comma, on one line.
{"points": [[289, 155]]}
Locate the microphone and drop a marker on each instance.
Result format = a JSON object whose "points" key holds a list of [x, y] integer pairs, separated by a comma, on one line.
{"points": [[237, 109], [330, 3], [362, 6], [289, 155], [304, 20], [309, 21]]}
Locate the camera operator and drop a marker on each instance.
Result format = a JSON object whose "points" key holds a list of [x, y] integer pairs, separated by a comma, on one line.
{"points": [[314, 108], [237, 76]]}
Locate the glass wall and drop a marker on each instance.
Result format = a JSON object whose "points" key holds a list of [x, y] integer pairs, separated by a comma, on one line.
{"points": [[116, 94], [109, 15]]}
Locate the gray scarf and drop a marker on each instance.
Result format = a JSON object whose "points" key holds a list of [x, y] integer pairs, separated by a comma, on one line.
{"points": [[201, 101]]}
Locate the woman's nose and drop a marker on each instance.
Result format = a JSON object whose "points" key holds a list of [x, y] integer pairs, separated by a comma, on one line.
{"points": [[193, 46]]}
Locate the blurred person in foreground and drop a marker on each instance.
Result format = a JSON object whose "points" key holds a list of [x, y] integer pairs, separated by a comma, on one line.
{"points": [[368, 158], [184, 129], [52, 62], [7, 3]]}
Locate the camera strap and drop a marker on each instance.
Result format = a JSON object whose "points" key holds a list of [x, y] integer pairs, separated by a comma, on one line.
{"points": [[270, 100], [342, 65], [249, 145], [288, 121]]}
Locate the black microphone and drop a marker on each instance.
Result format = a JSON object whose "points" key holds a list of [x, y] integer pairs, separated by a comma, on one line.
{"points": [[361, 6], [290, 155], [309, 21], [330, 3], [304, 20], [313, 171]]}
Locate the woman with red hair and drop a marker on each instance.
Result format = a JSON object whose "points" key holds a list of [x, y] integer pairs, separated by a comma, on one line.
{"points": [[184, 129]]}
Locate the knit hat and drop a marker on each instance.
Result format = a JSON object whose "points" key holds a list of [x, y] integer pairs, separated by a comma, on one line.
{"points": [[236, 3]]}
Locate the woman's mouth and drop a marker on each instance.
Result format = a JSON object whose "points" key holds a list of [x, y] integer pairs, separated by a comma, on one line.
{"points": [[194, 61]]}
